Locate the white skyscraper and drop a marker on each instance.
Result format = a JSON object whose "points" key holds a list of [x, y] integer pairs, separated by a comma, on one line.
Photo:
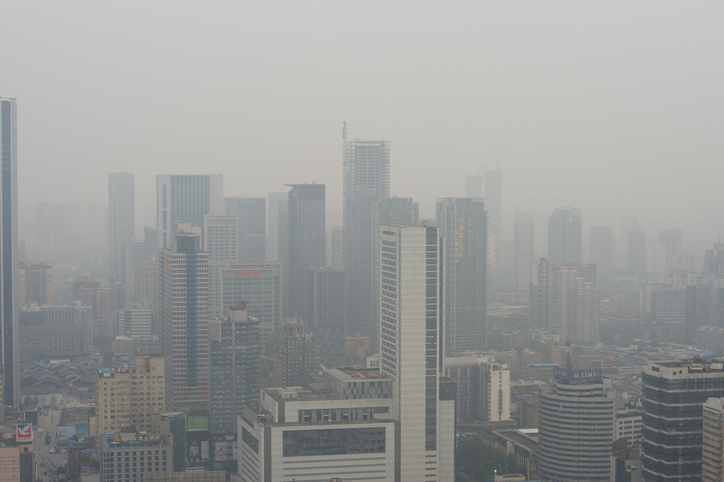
{"points": [[220, 242], [524, 246], [411, 352]]}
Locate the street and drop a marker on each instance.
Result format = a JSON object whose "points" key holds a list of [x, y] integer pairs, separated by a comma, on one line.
{"points": [[45, 462]]}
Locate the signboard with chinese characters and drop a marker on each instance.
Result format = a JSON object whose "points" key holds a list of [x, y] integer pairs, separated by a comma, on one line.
{"points": [[24, 433], [576, 375]]}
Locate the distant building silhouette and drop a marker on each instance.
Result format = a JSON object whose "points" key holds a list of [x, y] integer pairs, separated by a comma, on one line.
{"points": [[564, 236]]}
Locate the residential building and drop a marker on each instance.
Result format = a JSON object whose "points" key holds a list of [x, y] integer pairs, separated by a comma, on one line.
{"points": [[182, 319], [296, 349], [35, 282], [186, 199], [523, 247], [220, 242], [121, 217], [564, 236], [251, 228], [462, 224], [496, 391], [602, 252], [156, 449]]}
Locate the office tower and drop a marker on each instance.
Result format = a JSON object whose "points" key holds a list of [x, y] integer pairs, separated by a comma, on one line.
{"points": [[366, 180], [118, 388], [220, 242], [673, 239], [35, 282], [121, 216], [493, 204], [325, 312], [411, 351], [636, 253], [712, 467], [496, 391], [297, 350], [144, 283], [524, 247], [134, 320], [130, 256], [43, 230], [657, 261], [462, 224], [59, 233], [602, 252], [283, 251], [474, 186], [259, 285], [465, 370], [9, 243], [182, 318], [668, 312], [561, 301], [251, 224], [586, 318], [336, 248], [564, 236], [150, 239], [234, 347], [186, 199], [112, 452], [714, 261], [576, 427], [273, 204], [307, 239], [673, 396]]}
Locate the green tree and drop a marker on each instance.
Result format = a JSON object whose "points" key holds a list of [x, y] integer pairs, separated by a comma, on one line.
{"points": [[480, 460]]}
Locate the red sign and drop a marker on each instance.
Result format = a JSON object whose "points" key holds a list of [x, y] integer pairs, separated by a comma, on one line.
{"points": [[24, 432], [247, 273]]}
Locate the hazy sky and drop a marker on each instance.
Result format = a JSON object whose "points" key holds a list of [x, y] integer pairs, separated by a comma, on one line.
{"points": [[610, 106]]}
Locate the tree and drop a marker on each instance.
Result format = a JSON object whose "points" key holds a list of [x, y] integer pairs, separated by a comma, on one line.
{"points": [[481, 460]]}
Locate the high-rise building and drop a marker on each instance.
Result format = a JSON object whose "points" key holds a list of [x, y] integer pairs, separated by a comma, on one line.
{"points": [[250, 215], [35, 282], [496, 391], [307, 239], [714, 260], [602, 252], [134, 319], [673, 239], [9, 299], [272, 223], [668, 312], [116, 388], [474, 186], [636, 252], [297, 350], [186, 199], [366, 180], [259, 285], [235, 349], [587, 305], [673, 397], [121, 217], [576, 427], [564, 236], [493, 181], [336, 247], [712, 467], [524, 247], [182, 319], [462, 224], [324, 314], [112, 450], [657, 261], [220, 235], [43, 230], [410, 313]]}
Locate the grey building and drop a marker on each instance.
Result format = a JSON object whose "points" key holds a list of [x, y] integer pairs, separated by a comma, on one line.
{"points": [[673, 239], [524, 248], [602, 252], [275, 200], [121, 217], [251, 228], [220, 241], [145, 453], [325, 312], [235, 349], [366, 180], [636, 252], [9, 300], [493, 181], [564, 236], [186, 199], [463, 227]]}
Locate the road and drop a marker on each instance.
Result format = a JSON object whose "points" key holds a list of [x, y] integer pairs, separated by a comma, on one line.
{"points": [[45, 462]]}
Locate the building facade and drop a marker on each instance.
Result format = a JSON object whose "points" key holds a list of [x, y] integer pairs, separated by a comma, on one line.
{"points": [[251, 228], [35, 282], [564, 236], [712, 467], [602, 252], [524, 249], [121, 216], [325, 312], [146, 453], [220, 235]]}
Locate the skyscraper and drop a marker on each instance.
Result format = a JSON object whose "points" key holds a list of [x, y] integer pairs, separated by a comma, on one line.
{"points": [[463, 227], [121, 217], [636, 252], [182, 318], [250, 214], [673, 239], [493, 181], [564, 236], [602, 252], [411, 351], [366, 180], [272, 223], [336, 247], [324, 314], [220, 243], [186, 199], [524, 247], [307, 239], [9, 302]]}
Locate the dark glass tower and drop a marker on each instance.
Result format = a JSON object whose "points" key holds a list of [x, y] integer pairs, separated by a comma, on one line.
{"points": [[564, 236], [121, 217], [9, 241]]}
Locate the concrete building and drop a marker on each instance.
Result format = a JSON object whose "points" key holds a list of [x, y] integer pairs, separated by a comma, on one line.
{"points": [[77, 314], [144, 283], [220, 242], [9, 298], [336, 248], [468, 381], [462, 223], [636, 252], [53, 341], [235, 349], [673, 239], [126, 399], [325, 312], [148, 453], [496, 392], [564, 236], [523, 247], [587, 305], [629, 426], [186, 199], [275, 200], [602, 252], [259, 285], [366, 180], [251, 228], [576, 427], [121, 217], [493, 181], [296, 349], [182, 318], [134, 319], [712, 466], [668, 312], [657, 261], [672, 446], [35, 282]]}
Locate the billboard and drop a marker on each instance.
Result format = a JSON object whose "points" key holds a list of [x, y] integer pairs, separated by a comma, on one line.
{"points": [[198, 423], [24, 433], [220, 452], [577, 375]]}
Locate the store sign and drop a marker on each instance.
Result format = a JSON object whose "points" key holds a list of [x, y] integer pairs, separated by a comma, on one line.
{"points": [[576, 375]]}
